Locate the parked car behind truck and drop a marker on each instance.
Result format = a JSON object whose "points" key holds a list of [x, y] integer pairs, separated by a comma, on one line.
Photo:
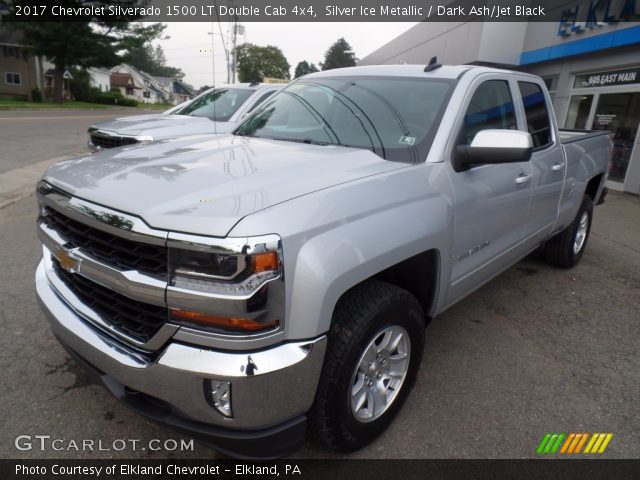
{"points": [[218, 110], [240, 287]]}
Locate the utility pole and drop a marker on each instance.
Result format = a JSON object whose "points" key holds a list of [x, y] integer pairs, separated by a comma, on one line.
{"points": [[213, 57], [236, 29]]}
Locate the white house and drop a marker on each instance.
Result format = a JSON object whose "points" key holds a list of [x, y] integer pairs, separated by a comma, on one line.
{"points": [[100, 79], [139, 85]]}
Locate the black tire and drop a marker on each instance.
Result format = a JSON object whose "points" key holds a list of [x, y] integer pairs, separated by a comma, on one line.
{"points": [[559, 250], [361, 315]]}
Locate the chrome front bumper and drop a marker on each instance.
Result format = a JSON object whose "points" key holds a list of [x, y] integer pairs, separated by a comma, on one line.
{"points": [[268, 387]]}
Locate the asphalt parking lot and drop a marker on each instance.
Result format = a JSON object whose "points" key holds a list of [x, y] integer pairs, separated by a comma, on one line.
{"points": [[536, 350], [30, 136]]}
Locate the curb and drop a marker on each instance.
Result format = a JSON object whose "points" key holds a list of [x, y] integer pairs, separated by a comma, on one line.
{"points": [[20, 183]]}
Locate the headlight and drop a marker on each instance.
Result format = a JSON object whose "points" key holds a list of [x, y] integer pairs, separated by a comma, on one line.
{"points": [[237, 271], [226, 274]]}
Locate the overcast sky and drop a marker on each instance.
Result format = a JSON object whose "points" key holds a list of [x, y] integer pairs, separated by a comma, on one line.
{"points": [[189, 47]]}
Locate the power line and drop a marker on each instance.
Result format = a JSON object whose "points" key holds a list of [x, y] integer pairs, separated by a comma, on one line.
{"points": [[185, 48], [203, 56]]}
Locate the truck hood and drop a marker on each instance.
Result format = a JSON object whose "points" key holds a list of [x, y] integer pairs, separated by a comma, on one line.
{"points": [[163, 126], [206, 184]]}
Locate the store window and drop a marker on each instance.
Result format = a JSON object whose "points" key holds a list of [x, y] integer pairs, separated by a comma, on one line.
{"points": [[620, 114], [579, 108], [552, 86]]}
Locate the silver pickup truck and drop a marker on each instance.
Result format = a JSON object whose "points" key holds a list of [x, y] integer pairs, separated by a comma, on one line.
{"points": [[239, 287]]}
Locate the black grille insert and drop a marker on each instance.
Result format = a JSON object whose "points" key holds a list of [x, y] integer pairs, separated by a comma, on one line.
{"points": [[104, 141], [136, 319], [113, 250]]}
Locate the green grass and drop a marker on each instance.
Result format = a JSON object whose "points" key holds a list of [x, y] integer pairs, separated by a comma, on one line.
{"points": [[21, 104]]}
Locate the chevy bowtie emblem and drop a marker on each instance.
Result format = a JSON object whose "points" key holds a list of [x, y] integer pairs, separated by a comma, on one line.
{"points": [[67, 261]]}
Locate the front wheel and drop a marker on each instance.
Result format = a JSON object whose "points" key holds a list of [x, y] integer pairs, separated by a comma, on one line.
{"points": [[566, 248], [374, 350]]}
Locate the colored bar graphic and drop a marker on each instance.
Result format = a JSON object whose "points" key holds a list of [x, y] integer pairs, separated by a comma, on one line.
{"points": [[606, 441], [594, 437], [551, 443], [543, 443], [555, 447], [572, 443], [584, 439], [568, 442]]}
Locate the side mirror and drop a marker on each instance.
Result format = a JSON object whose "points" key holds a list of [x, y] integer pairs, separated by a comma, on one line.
{"points": [[492, 147]]}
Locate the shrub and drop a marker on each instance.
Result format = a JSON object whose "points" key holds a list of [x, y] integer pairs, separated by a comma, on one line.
{"points": [[128, 102], [80, 84], [36, 95]]}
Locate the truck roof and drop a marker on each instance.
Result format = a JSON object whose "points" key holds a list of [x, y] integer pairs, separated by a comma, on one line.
{"points": [[446, 71]]}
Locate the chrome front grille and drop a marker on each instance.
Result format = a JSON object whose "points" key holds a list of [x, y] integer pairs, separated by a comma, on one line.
{"points": [[137, 319], [114, 250], [111, 269]]}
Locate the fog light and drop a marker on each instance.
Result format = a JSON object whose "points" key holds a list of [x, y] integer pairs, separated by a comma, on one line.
{"points": [[219, 396]]}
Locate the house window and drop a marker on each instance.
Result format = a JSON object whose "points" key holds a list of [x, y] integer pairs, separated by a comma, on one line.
{"points": [[12, 78], [129, 90], [11, 51]]}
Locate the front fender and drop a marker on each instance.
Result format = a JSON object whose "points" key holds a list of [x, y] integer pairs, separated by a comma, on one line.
{"points": [[339, 237]]}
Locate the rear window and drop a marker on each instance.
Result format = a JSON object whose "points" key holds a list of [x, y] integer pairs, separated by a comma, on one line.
{"points": [[536, 113]]}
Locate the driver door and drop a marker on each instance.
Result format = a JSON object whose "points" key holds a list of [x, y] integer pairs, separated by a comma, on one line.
{"points": [[491, 201]]}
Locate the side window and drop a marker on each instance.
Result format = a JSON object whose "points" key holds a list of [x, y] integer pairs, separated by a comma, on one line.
{"points": [[491, 107], [537, 113], [261, 99]]}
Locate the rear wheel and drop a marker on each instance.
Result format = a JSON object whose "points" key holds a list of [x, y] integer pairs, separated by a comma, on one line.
{"points": [[374, 350], [566, 248]]}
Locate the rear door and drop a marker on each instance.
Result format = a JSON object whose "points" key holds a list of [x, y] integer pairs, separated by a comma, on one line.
{"points": [[491, 201], [547, 161]]}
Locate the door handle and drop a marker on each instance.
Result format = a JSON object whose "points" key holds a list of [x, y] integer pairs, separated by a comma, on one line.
{"points": [[557, 167], [523, 179]]}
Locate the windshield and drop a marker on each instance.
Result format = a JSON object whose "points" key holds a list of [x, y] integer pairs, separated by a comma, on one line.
{"points": [[218, 104], [395, 117]]}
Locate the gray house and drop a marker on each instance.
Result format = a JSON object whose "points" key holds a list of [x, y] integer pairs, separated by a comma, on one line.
{"points": [[21, 72]]}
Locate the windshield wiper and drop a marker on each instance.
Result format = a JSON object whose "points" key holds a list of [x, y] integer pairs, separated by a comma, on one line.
{"points": [[305, 140], [240, 134]]}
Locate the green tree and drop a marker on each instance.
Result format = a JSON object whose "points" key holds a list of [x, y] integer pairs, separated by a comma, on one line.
{"points": [[255, 63], [142, 57], [159, 56], [303, 68], [80, 85], [88, 41], [152, 61], [339, 55]]}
